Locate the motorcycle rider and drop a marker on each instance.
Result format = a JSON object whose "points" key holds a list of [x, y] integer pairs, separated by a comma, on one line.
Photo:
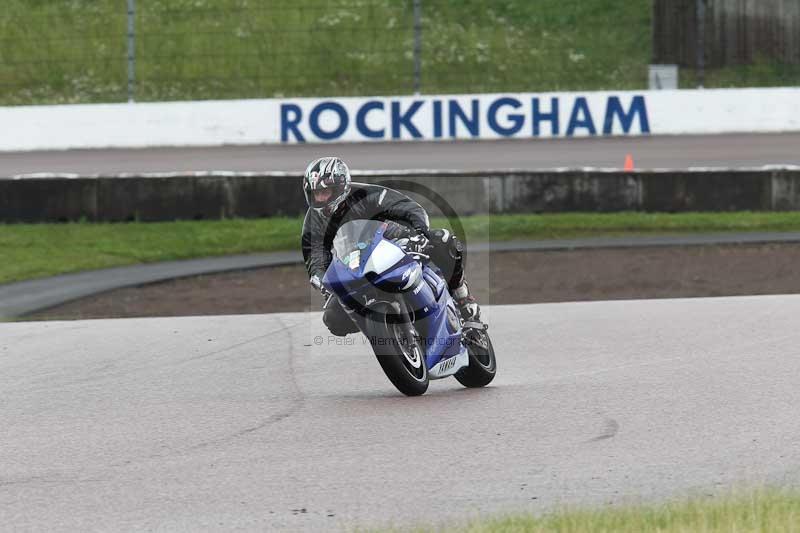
{"points": [[333, 199]]}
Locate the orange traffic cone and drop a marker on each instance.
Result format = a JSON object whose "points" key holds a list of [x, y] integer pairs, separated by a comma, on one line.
{"points": [[628, 163]]}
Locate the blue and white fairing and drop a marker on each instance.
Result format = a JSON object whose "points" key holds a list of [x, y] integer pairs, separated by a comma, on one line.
{"points": [[368, 269]]}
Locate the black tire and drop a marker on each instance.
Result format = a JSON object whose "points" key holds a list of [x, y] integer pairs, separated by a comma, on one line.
{"points": [[399, 352], [482, 363]]}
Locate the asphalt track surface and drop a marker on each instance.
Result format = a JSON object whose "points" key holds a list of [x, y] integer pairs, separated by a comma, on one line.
{"points": [[744, 150], [244, 422]]}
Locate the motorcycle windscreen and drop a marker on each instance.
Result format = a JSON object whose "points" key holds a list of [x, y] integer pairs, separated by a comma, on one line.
{"points": [[353, 240], [353, 244]]}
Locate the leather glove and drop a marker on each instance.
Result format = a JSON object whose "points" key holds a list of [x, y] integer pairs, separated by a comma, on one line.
{"points": [[417, 244], [317, 284], [396, 231], [424, 231]]}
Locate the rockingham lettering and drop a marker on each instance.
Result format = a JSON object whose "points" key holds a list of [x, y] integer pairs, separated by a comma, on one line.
{"points": [[464, 117]]}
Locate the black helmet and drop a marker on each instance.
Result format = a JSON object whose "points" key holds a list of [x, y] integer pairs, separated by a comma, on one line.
{"points": [[326, 184]]}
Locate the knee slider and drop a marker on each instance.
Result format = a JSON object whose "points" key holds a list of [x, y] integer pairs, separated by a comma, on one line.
{"points": [[338, 322], [333, 323]]}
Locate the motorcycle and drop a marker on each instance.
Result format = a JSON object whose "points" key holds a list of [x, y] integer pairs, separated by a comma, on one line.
{"points": [[400, 302]]}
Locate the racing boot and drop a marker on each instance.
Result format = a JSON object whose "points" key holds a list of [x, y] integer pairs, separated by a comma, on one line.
{"points": [[467, 305]]}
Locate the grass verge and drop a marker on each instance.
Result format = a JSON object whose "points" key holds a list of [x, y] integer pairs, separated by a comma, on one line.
{"points": [[39, 250], [768, 511], [69, 52], [76, 51]]}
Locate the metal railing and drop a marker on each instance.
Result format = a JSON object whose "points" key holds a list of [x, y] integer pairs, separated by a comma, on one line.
{"points": [[148, 50], [131, 50]]}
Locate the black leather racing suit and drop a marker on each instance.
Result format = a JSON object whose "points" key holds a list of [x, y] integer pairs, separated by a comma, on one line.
{"points": [[373, 202]]}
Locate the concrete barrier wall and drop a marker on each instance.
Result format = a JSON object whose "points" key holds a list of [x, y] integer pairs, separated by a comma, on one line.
{"points": [[216, 195], [401, 118]]}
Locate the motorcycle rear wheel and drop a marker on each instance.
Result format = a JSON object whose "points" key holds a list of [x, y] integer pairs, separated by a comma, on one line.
{"points": [[482, 363], [399, 351]]}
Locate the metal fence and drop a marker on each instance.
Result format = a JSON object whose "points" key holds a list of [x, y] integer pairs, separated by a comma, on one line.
{"points": [[131, 42], [744, 40], [147, 50]]}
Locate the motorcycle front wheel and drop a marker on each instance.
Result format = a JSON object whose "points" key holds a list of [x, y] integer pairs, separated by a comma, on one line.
{"points": [[398, 348]]}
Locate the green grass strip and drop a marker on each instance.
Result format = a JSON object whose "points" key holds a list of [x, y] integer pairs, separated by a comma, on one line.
{"points": [[70, 52], [769, 511], [38, 250]]}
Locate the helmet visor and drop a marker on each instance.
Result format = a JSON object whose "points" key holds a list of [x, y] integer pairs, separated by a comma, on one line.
{"points": [[323, 197]]}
